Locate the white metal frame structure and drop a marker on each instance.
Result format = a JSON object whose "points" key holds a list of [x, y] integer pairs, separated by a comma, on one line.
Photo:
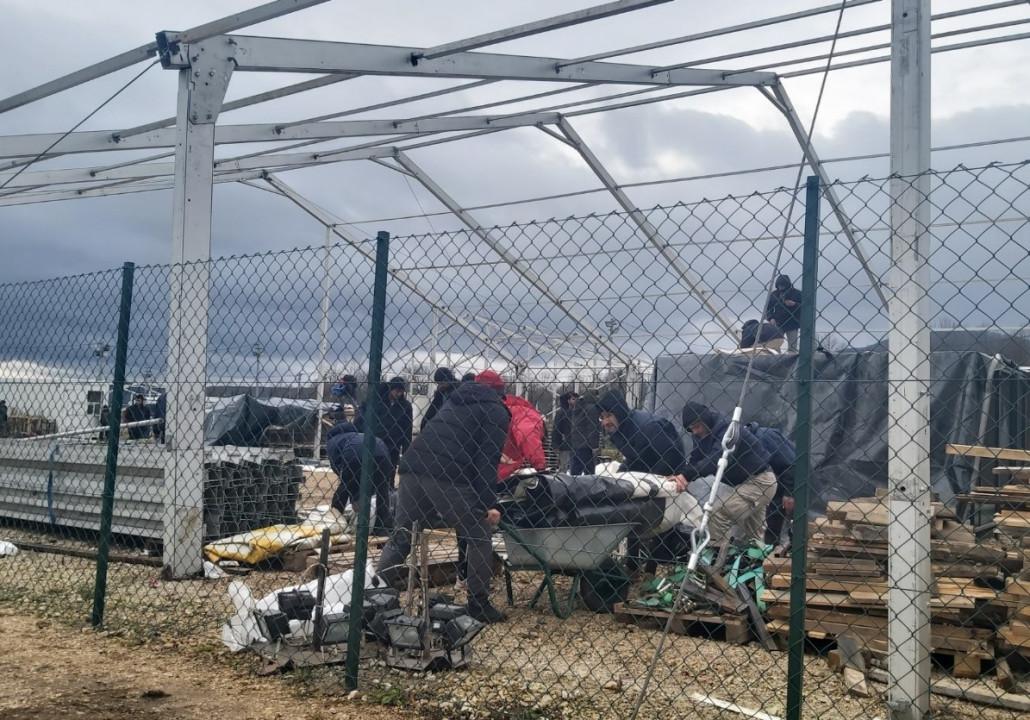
{"points": [[207, 56]]}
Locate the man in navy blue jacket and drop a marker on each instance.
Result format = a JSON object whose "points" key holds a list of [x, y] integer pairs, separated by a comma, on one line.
{"points": [[344, 446], [782, 456], [749, 482], [648, 443]]}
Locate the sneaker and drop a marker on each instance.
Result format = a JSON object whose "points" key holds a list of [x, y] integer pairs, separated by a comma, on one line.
{"points": [[486, 613]]}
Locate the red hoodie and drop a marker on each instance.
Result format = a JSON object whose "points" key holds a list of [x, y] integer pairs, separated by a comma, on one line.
{"points": [[525, 444]]}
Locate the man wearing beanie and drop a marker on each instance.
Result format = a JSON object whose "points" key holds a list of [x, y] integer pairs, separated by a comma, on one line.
{"points": [[749, 482], [445, 383], [450, 473]]}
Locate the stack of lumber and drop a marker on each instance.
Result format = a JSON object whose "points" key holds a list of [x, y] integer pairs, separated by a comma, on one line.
{"points": [[1014, 636], [847, 584]]}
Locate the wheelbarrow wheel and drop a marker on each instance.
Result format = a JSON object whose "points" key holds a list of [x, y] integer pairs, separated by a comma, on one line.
{"points": [[603, 588]]}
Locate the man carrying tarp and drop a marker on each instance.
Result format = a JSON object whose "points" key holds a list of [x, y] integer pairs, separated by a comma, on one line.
{"points": [[748, 482]]}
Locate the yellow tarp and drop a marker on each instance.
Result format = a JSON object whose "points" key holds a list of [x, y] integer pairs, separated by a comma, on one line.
{"points": [[264, 543]]}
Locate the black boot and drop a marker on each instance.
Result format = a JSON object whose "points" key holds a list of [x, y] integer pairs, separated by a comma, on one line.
{"points": [[484, 612]]}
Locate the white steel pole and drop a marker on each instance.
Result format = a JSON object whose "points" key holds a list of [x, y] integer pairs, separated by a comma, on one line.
{"points": [[909, 345], [201, 90], [323, 344]]}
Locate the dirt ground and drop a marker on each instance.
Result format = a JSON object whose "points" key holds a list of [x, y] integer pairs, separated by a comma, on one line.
{"points": [[48, 671]]}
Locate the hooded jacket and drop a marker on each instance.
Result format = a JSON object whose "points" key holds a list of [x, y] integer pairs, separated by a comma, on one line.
{"points": [[787, 317], [561, 434], [524, 446], [439, 398], [396, 423], [754, 332], [749, 457], [345, 446], [782, 454], [463, 443], [648, 443]]}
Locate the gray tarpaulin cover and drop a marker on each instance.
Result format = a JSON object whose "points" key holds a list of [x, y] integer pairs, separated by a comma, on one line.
{"points": [[241, 419], [849, 436]]}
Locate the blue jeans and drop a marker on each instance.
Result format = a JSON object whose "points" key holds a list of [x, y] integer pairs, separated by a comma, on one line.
{"points": [[582, 462]]}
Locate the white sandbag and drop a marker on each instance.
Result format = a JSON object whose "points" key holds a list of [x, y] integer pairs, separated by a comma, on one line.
{"points": [[7, 548], [242, 629], [645, 485]]}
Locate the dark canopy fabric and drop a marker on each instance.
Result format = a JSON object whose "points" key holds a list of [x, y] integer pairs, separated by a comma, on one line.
{"points": [[849, 436], [241, 420]]}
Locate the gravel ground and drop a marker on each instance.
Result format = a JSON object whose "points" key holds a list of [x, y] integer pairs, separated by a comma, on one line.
{"points": [[534, 666]]}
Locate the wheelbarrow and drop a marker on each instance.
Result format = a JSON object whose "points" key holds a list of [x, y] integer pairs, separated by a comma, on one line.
{"points": [[580, 552]]}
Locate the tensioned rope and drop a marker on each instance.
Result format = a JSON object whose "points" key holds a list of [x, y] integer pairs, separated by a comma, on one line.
{"points": [[701, 537], [79, 124]]}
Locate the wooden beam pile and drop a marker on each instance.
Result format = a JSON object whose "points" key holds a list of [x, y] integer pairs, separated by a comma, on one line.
{"points": [[847, 584]]}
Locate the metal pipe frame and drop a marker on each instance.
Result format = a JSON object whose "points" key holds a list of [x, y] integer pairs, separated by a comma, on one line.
{"points": [[261, 54], [201, 91], [694, 284], [494, 244], [399, 275], [908, 400], [100, 140]]}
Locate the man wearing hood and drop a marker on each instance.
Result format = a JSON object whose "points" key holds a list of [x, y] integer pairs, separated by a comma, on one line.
{"points": [[561, 434], [445, 384], [344, 446], [648, 443], [749, 482], [784, 310], [450, 473], [397, 421]]}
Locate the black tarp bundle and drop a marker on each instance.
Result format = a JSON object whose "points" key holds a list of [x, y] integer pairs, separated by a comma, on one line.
{"points": [[576, 500], [850, 420], [243, 419]]}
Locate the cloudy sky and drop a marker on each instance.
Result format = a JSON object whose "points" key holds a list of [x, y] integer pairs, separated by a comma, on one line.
{"points": [[977, 95]]}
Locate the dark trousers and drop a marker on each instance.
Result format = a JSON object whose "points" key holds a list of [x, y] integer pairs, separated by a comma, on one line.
{"points": [[350, 485], [775, 518], [433, 504], [582, 462]]}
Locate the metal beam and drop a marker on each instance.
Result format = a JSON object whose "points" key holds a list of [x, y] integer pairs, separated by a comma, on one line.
{"points": [[103, 140], [129, 58], [781, 100], [557, 22], [694, 284], [717, 32], [201, 91], [399, 275], [152, 170], [908, 401], [260, 54], [505, 254]]}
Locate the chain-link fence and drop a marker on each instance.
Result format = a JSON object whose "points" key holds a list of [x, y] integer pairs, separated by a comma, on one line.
{"points": [[545, 406]]}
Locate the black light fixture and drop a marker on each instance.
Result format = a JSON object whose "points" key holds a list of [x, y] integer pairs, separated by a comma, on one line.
{"points": [[460, 631], [335, 629], [274, 625], [378, 627], [296, 604], [405, 632]]}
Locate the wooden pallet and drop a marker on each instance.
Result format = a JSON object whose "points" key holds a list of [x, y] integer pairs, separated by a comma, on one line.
{"points": [[732, 628]]}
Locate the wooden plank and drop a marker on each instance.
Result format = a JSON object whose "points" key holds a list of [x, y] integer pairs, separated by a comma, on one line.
{"points": [[705, 625], [966, 666], [975, 692], [990, 453], [854, 665], [756, 619], [1003, 674]]}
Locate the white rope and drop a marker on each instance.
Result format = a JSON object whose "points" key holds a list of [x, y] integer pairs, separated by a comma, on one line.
{"points": [[701, 536]]}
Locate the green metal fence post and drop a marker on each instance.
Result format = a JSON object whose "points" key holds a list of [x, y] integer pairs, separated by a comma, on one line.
{"points": [[803, 444], [114, 429], [375, 369]]}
